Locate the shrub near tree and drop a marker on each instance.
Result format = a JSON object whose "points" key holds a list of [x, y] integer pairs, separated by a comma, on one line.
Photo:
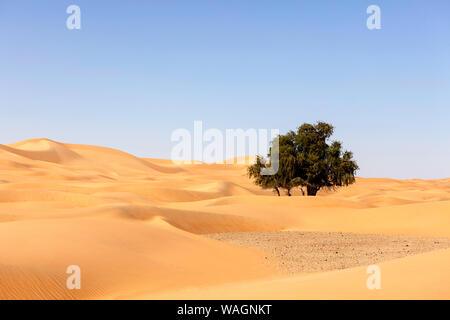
{"points": [[307, 161]]}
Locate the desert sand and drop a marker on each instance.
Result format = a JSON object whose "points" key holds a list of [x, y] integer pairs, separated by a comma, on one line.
{"points": [[147, 229]]}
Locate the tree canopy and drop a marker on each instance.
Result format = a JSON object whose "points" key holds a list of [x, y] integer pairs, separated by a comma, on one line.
{"points": [[307, 160]]}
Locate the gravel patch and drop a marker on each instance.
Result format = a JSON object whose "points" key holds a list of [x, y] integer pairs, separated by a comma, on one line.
{"points": [[304, 252]]}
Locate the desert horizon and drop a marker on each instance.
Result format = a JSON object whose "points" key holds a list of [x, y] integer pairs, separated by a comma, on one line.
{"points": [[143, 228]]}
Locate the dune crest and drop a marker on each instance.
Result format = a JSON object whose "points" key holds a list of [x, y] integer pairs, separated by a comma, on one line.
{"points": [[42, 150]]}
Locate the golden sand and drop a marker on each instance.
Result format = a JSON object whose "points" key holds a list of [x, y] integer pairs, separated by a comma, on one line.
{"points": [[135, 227]]}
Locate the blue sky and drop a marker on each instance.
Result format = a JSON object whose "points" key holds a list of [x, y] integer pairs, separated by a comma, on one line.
{"points": [[137, 70]]}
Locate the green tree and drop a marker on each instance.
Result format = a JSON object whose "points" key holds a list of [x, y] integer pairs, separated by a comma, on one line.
{"points": [[306, 160], [321, 164]]}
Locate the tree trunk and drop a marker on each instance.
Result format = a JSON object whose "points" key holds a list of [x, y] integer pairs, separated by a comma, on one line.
{"points": [[303, 191], [278, 191], [311, 191]]}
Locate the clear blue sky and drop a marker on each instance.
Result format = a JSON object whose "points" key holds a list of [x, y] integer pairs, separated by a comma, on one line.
{"points": [[137, 70]]}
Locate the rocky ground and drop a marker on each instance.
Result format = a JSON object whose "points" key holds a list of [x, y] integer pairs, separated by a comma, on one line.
{"points": [[304, 252]]}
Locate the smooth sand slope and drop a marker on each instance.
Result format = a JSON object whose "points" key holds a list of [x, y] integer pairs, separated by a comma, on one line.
{"points": [[137, 228]]}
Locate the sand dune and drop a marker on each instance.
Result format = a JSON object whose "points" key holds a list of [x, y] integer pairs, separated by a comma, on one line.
{"points": [[135, 228], [42, 150], [118, 258]]}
